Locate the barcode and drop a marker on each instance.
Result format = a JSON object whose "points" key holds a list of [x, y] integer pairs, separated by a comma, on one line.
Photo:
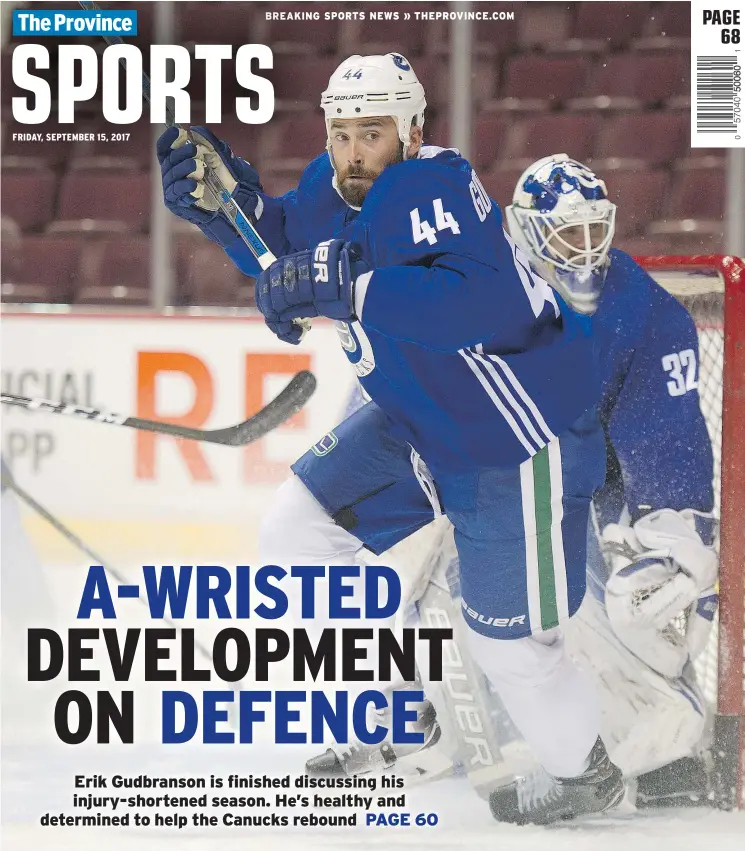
{"points": [[715, 94]]}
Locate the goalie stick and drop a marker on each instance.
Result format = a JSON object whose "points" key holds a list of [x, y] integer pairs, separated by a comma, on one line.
{"points": [[288, 402], [10, 483], [225, 201]]}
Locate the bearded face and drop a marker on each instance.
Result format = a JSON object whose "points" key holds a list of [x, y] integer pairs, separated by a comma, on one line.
{"points": [[355, 180], [361, 148]]}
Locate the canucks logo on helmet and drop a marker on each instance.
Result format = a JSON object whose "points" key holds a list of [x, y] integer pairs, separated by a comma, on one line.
{"points": [[561, 217]]}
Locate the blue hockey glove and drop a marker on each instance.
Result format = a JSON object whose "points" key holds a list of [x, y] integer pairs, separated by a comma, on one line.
{"points": [[315, 282], [182, 165]]}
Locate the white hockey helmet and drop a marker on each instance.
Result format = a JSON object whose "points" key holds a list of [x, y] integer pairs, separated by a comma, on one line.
{"points": [[552, 195], [376, 86]]}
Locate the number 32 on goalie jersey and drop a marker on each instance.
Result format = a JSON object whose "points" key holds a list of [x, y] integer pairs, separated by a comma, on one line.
{"points": [[681, 367]]}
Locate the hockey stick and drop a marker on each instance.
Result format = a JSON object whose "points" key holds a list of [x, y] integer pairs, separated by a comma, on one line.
{"points": [[227, 204], [225, 200], [288, 402], [8, 481]]}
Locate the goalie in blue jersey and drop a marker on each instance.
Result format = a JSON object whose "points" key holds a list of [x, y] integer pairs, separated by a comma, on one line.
{"points": [[652, 567], [483, 385]]}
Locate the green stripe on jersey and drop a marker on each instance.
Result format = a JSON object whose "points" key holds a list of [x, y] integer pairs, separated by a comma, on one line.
{"points": [[543, 519]]}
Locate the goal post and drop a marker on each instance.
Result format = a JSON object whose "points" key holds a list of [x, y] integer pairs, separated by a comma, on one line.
{"points": [[712, 288]]}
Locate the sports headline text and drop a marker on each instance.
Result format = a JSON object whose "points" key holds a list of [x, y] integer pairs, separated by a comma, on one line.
{"points": [[169, 654]]}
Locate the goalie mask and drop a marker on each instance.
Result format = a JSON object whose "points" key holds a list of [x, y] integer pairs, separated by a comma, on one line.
{"points": [[561, 217], [375, 86]]}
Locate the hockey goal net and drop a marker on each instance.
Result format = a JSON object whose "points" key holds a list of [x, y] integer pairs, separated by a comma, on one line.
{"points": [[712, 288]]}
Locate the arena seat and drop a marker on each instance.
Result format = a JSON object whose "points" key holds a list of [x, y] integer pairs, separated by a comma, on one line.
{"points": [[640, 196], [38, 268], [496, 37], [697, 193], [28, 197], [31, 155], [535, 136], [487, 138], [115, 271], [605, 83], [103, 202], [668, 27], [206, 276], [543, 25], [613, 24], [433, 73], [226, 23], [134, 153], [633, 81], [655, 138], [299, 137], [534, 83], [689, 236], [298, 84], [500, 185]]}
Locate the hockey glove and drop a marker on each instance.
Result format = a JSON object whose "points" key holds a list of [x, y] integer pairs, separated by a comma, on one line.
{"points": [[183, 164], [660, 597], [315, 282]]}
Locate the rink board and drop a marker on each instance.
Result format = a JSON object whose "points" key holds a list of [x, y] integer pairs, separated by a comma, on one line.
{"points": [[138, 491]]}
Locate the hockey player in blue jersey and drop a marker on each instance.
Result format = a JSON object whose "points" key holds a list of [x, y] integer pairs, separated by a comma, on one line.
{"points": [[657, 497], [650, 556], [481, 379], [650, 560]]}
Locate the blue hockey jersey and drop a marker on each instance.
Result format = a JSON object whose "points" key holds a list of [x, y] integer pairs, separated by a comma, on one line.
{"points": [[477, 362], [659, 451]]}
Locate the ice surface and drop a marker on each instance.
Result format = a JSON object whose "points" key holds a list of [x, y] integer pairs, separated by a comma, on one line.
{"points": [[37, 778], [465, 824]]}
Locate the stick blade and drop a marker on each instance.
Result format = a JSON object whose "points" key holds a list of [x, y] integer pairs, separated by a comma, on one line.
{"points": [[285, 405]]}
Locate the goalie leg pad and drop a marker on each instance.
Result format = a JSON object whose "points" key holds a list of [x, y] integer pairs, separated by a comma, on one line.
{"points": [[295, 529], [647, 719]]}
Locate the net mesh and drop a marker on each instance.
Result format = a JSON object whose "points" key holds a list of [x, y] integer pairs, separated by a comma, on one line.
{"points": [[712, 289], [701, 291]]}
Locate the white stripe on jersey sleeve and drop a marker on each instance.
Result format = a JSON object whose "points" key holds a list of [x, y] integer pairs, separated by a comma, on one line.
{"points": [[468, 357], [511, 401], [549, 435]]}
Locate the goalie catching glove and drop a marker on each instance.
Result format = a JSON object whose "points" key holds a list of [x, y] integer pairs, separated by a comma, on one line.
{"points": [[183, 165], [315, 282], [661, 572]]}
